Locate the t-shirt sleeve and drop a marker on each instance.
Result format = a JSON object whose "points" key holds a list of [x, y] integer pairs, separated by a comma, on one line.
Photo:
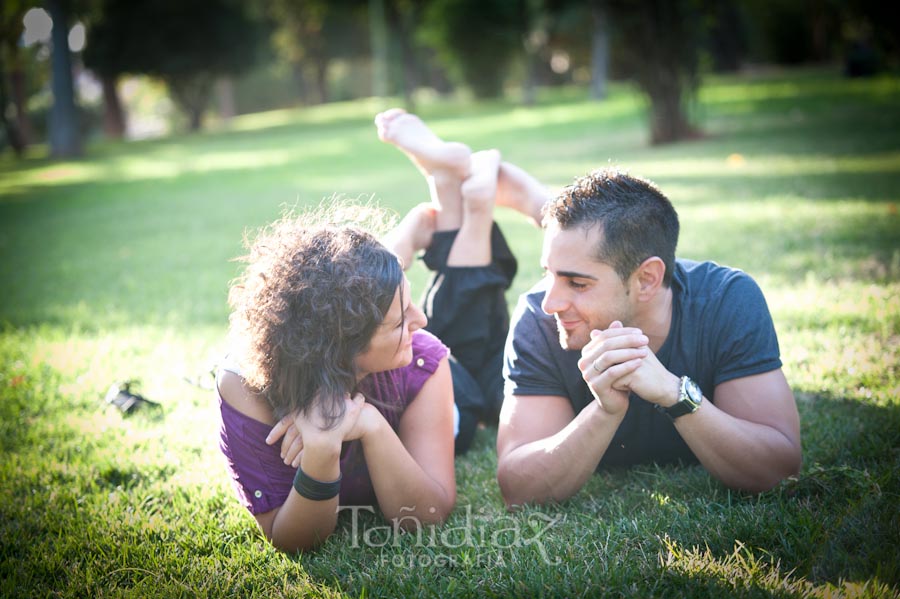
{"points": [[528, 363], [428, 351], [261, 479], [746, 343]]}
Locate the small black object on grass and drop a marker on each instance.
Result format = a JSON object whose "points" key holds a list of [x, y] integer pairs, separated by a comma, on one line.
{"points": [[121, 396]]}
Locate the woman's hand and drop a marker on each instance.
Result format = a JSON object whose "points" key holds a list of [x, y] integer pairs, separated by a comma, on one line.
{"points": [[299, 430]]}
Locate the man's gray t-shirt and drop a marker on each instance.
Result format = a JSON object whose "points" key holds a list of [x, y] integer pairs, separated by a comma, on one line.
{"points": [[721, 330]]}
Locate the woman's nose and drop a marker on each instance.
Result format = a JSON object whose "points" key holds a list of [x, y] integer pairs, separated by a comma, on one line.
{"points": [[418, 319]]}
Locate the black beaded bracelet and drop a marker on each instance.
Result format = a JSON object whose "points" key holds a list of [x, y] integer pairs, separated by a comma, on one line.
{"points": [[313, 489]]}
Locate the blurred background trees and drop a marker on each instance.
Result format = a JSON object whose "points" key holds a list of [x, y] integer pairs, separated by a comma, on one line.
{"points": [[66, 64], [188, 44]]}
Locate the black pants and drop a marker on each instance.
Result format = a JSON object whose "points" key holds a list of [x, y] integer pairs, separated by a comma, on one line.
{"points": [[466, 309]]}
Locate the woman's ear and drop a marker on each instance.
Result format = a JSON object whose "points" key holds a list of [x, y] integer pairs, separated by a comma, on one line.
{"points": [[649, 277]]}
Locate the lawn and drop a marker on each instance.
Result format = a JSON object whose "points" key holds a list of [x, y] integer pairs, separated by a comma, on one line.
{"points": [[117, 267]]}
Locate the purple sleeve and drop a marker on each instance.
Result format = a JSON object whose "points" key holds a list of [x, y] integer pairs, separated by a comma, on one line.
{"points": [[261, 479], [428, 351]]}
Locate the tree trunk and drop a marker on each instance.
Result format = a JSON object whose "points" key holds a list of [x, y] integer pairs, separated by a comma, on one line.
{"points": [[660, 39], [321, 71], [20, 98], [13, 134], [668, 122], [726, 37], [599, 50], [529, 85], [226, 99], [65, 138], [299, 78], [192, 95], [378, 33], [401, 25], [113, 114], [534, 38]]}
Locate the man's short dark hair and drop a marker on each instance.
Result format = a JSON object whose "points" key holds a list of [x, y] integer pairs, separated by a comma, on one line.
{"points": [[636, 220]]}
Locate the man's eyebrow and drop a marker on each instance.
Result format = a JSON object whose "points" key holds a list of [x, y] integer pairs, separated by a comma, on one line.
{"points": [[570, 274]]}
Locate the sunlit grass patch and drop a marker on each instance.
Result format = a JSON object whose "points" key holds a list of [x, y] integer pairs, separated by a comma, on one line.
{"points": [[746, 571]]}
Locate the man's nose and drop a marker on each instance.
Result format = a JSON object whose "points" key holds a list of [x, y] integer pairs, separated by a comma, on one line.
{"points": [[554, 301]]}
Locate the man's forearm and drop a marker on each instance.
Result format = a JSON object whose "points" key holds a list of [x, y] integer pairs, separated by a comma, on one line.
{"points": [[742, 454], [555, 468]]}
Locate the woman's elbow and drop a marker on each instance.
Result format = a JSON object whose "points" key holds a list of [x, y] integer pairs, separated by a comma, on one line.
{"points": [[292, 543], [442, 509]]}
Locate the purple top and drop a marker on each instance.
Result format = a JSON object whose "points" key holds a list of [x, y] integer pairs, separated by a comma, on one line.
{"points": [[263, 481]]}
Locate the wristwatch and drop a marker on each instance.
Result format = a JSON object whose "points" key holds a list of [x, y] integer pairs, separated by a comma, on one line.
{"points": [[689, 397]]}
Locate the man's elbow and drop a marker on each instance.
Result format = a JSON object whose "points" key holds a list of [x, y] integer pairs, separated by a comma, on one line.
{"points": [[514, 488], [770, 478], [507, 484], [790, 464]]}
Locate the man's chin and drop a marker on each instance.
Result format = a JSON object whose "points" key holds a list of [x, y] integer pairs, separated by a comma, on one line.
{"points": [[572, 340]]}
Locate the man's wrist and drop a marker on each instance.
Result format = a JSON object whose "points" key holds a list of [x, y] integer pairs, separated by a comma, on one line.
{"points": [[673, 392], [608, 416], [690, 397]]}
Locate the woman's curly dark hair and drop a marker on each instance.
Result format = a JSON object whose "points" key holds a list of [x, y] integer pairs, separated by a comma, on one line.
{"points": [[307, 304]]}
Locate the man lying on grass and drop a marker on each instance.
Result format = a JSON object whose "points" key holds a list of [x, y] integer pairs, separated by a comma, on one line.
{"points": [[624, 355]]}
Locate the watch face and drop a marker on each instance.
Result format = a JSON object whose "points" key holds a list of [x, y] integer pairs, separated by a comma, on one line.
{"points": [[693, 391]]}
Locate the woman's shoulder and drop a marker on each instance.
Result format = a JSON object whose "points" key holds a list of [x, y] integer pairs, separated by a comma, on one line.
{"points": [[234, 391], [428, 351]]}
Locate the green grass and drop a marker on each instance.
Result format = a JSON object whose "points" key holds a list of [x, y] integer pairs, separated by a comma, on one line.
{"points": [[117, 267]]}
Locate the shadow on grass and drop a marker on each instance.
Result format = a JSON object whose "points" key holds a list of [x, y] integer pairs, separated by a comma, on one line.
{"points": [[834, 523], [875, 185]]}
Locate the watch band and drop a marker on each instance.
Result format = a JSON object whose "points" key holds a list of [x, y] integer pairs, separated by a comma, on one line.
{"points": [[689, 398], [680, 409]]}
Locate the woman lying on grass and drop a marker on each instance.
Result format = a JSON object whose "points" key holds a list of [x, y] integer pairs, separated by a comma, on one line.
{"points": [[330, 356]]}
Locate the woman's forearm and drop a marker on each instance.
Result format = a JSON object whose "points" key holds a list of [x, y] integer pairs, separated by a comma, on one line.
{"points": [[303, 523], [405, 491]]}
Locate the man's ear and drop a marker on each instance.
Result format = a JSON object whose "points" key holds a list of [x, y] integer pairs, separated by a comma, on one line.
{"points": [[648, 277]]}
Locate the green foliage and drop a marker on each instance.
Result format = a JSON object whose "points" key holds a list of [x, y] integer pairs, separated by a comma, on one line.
{"points": [[309, 34], [117, 266], [187, 43], [659, 44], [172, 39], [476, 39]]}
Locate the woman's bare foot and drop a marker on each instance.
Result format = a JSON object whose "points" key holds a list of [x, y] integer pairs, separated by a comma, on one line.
{"points": [[426, 150], [480, 190], [520, 191], [412, 234]]}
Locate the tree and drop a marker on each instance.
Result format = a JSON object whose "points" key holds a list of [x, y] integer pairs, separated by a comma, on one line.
{"points": [[65, 137], [12, 74], [599, 49], [189, 44], [402, 17], [475, 40], [660, 44], [309, 34]]}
